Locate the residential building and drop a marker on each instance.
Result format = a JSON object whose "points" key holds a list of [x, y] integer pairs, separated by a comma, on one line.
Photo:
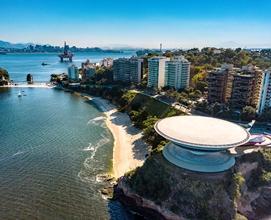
{"points": [[177, 73], [128, 70], [247, 87], [88, 70], [121, 70], [156, 75], [106, 62], [242, 90], [257, 83], [235, 86], [265, 100], [220, 84], [73, 72], [136, 70]]}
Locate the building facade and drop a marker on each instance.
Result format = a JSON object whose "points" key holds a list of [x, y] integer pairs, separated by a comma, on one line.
{"points": [[136, 70], [265, 99], [258, 75], [73, 72], [156, 74], [128, 70], [106, 62], [177, 73], [242, 90], [88, 70], [247, 87], [220, 84], [235, 86], [121, 70]]}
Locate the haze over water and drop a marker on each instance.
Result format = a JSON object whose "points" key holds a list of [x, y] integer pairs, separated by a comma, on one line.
{"points": [[53, 146]]}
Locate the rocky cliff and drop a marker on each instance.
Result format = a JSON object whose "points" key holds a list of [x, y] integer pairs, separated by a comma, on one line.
{"points": [[160, 190]]}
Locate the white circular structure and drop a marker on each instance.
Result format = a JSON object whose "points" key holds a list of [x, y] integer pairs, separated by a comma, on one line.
{"points": [[199, 143]]}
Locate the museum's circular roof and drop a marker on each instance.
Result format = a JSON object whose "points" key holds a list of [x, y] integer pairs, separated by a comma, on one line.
{"points": [[205, 133]]}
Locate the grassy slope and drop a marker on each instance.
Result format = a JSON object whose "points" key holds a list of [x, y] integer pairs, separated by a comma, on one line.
{"points": [[151, 105]]}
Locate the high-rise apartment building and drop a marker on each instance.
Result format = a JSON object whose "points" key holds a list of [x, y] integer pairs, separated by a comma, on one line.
{"points": [[265, 100], [242, 90], [121, 70], [257, 83], [128, 70], [73, 72], [177, 73], [247, 87], [238, 87], [157, 69], [136, 70], [220, 84]]}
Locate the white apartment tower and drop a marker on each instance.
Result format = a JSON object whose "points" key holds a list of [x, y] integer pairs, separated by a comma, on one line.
{"points": [[177, 73], [265, 100], [156, 76], [73, 72]]}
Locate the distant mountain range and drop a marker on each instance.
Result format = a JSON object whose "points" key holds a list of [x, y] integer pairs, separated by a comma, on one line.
{"points": [[5, 44], [7, 47]]}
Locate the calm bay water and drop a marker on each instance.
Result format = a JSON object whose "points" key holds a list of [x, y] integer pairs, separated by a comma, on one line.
{"points": [[53, 146], [19, 65]]}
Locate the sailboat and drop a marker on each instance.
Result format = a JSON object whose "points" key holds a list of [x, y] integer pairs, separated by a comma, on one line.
{"points": [[19, 94]]}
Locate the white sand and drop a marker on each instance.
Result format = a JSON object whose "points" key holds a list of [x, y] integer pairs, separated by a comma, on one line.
{"points": [[129, 148]]}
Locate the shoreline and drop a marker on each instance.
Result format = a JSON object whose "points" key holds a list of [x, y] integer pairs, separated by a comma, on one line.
{"points": [[39, 85], [129, 149]]}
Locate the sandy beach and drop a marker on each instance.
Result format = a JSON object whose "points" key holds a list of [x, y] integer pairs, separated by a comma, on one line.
{"points": [[129, 148]]}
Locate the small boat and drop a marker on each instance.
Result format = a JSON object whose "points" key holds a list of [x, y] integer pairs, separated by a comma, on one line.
{"points": [[44, 64], [20, 94]]}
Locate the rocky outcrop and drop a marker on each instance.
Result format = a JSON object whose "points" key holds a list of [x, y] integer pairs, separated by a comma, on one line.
{"points": [[4, 77], [262, 205], [160, 190], [141, 205]]}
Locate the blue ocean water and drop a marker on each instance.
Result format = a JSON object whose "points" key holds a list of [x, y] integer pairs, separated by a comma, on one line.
{"points": [[53, 147], [19, 65]]}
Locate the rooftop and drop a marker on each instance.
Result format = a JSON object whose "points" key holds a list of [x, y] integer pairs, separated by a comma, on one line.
{"points": [[203, 133]]}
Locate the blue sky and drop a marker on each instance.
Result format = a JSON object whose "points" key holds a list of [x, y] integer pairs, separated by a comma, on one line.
{"points": [[138, 23]]}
